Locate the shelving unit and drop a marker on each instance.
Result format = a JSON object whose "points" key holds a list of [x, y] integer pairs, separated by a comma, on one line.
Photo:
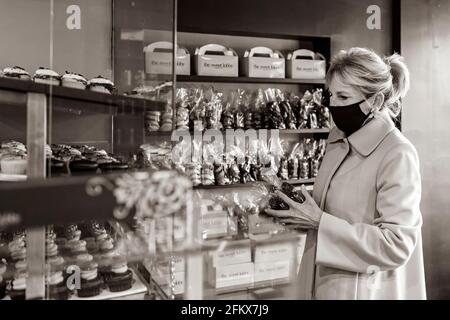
{"points": [[194, 78], [67, 98]]}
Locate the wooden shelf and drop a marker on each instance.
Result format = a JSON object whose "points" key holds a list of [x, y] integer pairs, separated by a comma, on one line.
{"points": [[194, 78], [84, 100], [252, 184]]}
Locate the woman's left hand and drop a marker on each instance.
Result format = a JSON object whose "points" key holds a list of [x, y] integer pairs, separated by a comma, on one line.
{"points": [[306, 215]]}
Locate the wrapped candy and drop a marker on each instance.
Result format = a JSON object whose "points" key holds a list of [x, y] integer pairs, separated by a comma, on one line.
{"points": [[274, 117], [283, 171], [313, 123], [239, 109], [303, 162], [198, 112], [234, 172], [221, 172], [245, 169], [214, 109], [208, 165], [228, 117], [258, 114], [248, 112], [287, 113], [293, 165], [322, 112], [182, 109]]}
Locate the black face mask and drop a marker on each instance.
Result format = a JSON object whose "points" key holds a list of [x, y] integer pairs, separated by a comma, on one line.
{"points": [[349, 119]]}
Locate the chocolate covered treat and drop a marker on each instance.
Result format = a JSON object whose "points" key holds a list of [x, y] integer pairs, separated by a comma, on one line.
{"points": [[283, 171], [290, 191]]}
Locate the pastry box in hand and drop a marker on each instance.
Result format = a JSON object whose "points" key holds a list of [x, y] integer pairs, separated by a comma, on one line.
{"points": [[305, 64], [216, 60], [159, 56], [262, 62]]}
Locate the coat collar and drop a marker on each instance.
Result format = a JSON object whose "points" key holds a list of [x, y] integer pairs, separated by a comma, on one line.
{"points": [[366, 139]]}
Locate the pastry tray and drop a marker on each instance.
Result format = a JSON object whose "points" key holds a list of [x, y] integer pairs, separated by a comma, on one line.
{"points": [[137, 288]]}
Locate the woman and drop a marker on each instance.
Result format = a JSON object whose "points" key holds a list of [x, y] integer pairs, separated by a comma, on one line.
{"points": [[365, 205]]}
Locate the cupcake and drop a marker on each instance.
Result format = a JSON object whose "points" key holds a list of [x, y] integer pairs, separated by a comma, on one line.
{"points": [[47, 76], [101, 84], [21, 265], [56, 263], [76, 248], [51, 248], [91, 283], [72, 232], [16, 245], [57, 288], [73, 80], [106, 254], [18, 286], [16, 73], [120, 278], [20, 254]]}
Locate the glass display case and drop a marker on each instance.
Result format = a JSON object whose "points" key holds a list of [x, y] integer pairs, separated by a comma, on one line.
{"points": [[111, 186]]}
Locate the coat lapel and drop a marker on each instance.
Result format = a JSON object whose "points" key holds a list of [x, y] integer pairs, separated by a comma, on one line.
{"points": [[337, 154]]}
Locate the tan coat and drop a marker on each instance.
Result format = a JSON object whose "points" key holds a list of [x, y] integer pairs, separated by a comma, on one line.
{"points": [[369, 185]]}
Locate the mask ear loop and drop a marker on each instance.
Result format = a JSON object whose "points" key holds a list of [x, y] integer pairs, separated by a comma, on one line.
{"points": [[372, 114]]}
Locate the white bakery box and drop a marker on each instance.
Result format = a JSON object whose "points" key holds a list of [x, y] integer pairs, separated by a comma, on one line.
{"points": [[216, 60], [158, 59], [263, 62], [305, 64]]}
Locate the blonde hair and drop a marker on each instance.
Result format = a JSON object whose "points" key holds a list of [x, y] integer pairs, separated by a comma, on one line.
{"points": [[370, 74]]}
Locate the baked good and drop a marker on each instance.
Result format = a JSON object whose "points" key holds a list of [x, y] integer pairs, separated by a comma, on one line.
{"points": [[101, 84], [73, 80], [51, 249], [16, 73], [57, 287], [19, 254], [18, 286], [72, 232], [91, 283], [120, 278], [290, 191], [47, 76]]}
